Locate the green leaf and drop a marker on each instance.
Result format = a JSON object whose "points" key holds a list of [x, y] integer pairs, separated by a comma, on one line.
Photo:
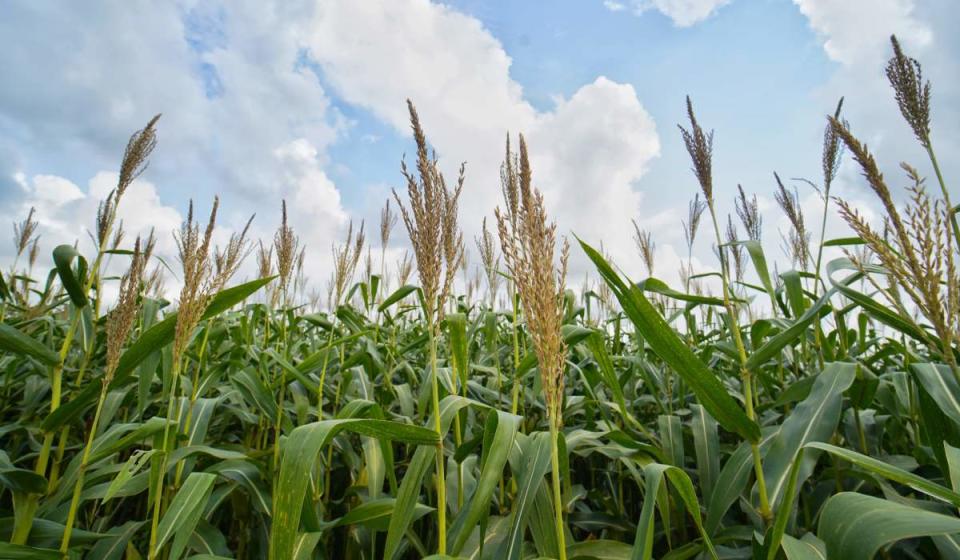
{"points": [[299, 458], [731, 482], [891, 472], [457, 331], [807, 548], [843, 242], [184, 512], [500, 432], [755, 250], [156, 337], [814, 419], [855, 526], [22, 480], [665, 342], [399, 294], [597, 347], [706, 446], [12, 340], [114, 544], [671, 438], [653, 475], [791, 334], [533, 463], [599, 549], [878, 311], [131, 467], [10, 551], [774, 536], [424, 458], [63, 256], [940, 382], [656, 286]]}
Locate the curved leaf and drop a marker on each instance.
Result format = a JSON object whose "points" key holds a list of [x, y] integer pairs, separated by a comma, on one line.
{"points": [[299, 458], [156, 337], [855, 526], [12, 340], [63, 257], [665, 342]]}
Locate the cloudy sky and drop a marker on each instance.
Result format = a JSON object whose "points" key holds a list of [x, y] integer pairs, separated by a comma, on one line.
{"points": [[304, 101]]}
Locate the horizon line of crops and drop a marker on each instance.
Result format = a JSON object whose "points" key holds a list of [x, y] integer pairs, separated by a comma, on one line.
{"points": [[634, 421]]}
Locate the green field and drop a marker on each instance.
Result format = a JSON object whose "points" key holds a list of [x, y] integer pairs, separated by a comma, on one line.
{"points": [[746, 413]]}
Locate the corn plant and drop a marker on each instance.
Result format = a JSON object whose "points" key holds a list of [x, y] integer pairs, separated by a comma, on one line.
{"points": [[743, 413]]}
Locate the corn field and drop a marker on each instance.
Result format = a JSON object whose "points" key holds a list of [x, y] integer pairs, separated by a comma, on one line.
{"points": [[811, 413]]}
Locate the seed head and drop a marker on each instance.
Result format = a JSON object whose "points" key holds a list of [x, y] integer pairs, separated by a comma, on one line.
{"points": [[286, 245], [797, 241], [528, 250], [136, 155], [832, 152], [735, 249], [431, 222], [120, 320], [695, 210], [404, 269], [24, 232], [388, 219], [345, 260], [645, 246], [198, 282], [700, 147], [487, 247], [748, 210], [228, 259], [910, 91]]}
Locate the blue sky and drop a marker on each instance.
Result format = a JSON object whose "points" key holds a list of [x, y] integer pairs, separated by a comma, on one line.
{"points": [[305, 101]]}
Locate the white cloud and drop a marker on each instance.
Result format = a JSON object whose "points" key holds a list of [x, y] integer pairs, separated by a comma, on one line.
{"points": [[316, 213], [245, 113], [236, 97], [586, 153], [683, 13], [858, 31], [66, 214]]}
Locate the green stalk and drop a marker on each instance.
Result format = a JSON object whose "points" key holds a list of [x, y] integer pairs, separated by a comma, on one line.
{"points": [[280, 398], [516, 353], [557, 499], [202, 360], [22, 530], [84, 463], [162, 460], [441, 479], [745, 374]]}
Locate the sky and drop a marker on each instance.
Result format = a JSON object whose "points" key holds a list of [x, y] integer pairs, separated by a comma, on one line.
{"points": [[304, 101]]}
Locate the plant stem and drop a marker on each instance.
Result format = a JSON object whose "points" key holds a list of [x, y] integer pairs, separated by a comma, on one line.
{"points": [[745, 374], [441, 481], [162, 460], [78, 486], [557, 499]]}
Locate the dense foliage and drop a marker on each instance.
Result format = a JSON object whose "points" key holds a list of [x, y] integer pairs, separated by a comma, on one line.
{"points": [[808, 414]]}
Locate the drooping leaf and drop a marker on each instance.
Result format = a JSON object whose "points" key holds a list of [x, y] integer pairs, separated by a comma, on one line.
{"points": [[665, 342], [855, 526]]}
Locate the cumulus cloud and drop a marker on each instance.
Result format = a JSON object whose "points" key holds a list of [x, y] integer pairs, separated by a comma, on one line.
{"points": [[857, 31], [587, 152], [683, 13], [66, 213], [246, 90], [244, 116]]}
